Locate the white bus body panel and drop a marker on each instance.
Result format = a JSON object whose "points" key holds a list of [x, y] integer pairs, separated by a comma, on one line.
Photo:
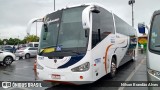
{"points": [[66, 74], [153, 61]]}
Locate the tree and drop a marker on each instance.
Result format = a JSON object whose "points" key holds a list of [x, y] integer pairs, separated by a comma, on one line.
{"points": [[11, 41], [1, 42], [17, 41], [24, 41], [31, 38]]}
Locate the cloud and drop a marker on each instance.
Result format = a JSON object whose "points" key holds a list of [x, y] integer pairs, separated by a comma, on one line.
{"points": [[15, 14], [12, 32]]}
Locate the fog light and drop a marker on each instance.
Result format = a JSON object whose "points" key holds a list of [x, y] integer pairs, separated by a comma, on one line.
{"points": [[81, 77]]}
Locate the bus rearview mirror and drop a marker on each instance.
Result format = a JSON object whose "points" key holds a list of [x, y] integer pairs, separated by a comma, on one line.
{"points": [[94, 9]]}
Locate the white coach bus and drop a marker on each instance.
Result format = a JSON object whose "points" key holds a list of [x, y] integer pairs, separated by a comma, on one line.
{"points": [[153, 51], [83, 43]]}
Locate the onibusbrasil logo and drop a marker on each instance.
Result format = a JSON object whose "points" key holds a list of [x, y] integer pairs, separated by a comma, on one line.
{"points": [[8, 84]]}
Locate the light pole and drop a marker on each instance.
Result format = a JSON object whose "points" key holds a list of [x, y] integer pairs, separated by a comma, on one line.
{"points": [[18, 42], [131, 2], [36, 28], [54, 5]]}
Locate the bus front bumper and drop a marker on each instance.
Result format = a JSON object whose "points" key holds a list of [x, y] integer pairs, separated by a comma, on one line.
{"points": [[152, 77], [64, 76]]}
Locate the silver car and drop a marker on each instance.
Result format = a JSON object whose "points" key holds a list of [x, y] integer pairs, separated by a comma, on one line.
{"points": [[26, 52], [6, 57]]}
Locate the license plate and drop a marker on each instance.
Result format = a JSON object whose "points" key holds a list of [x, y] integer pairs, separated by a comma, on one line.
{"points": [[56, 76]]}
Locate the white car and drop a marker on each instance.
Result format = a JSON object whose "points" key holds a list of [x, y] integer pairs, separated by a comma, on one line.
{"points": [[7, 58], [27, 52]]}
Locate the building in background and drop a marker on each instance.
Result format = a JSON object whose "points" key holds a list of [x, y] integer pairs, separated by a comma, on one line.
{"points": [[142, 41]]}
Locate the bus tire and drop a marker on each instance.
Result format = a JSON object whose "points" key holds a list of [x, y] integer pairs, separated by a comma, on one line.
{"points": [[113, 68], [133, 57]]}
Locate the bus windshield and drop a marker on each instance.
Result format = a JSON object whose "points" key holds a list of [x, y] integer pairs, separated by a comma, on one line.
{"points": [[64, 31], [154, 44]]}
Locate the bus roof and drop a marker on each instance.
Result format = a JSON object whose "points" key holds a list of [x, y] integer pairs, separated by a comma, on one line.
{"points": [[156, 12], [87, 4]]}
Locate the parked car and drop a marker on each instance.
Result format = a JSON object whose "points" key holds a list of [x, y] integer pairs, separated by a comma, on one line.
{"points": [[21, 46], [33, 44], [7, 48], [26, 52], [7, 57]]}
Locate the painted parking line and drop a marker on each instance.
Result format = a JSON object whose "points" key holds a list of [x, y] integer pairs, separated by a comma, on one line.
{"points": [[132, 73], [17, 75]]}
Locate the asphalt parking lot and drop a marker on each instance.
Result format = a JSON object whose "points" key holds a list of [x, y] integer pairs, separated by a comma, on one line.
{"points": [[22, 70]]}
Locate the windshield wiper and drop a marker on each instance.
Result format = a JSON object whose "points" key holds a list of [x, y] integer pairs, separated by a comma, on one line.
{"points": [[72, 52], [158, 45], [49, 47]]}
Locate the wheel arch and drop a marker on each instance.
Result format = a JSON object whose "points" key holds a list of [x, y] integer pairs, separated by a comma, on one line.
{"points": [[28, 54], [4, 62], [8, 56], [115, 57]]}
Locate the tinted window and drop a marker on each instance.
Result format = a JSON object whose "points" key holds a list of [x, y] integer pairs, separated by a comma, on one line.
{"points": [[123, 28], [106, 23], [30, 45], [154, 43], [71, 34], [32, 49], [7, 47], [35, 45], [95, 28], [102, 26]]}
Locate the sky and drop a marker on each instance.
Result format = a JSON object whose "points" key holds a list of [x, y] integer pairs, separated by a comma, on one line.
{"points": [[15, 14]]}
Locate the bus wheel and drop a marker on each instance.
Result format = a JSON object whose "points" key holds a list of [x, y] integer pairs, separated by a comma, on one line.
{"points": [[133, 57], [113, 68]]}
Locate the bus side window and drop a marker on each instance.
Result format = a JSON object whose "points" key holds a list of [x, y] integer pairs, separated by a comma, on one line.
{"points": [[102, 26], [106, 23], [95, 39], [95, 29]]}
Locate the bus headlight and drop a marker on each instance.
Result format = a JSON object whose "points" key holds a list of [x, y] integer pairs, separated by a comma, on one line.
{"points": [[39, 67], [153, 72], [81, 68]]}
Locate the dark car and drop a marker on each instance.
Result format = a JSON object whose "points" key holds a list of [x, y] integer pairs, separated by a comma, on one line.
{"points": [[7, 48]]}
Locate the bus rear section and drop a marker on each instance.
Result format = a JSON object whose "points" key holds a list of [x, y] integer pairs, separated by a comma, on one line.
{"points": [[153, 52], [80, 45]]}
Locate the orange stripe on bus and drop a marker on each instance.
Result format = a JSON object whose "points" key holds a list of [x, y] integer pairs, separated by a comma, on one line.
{"points": [[105, 58]]}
